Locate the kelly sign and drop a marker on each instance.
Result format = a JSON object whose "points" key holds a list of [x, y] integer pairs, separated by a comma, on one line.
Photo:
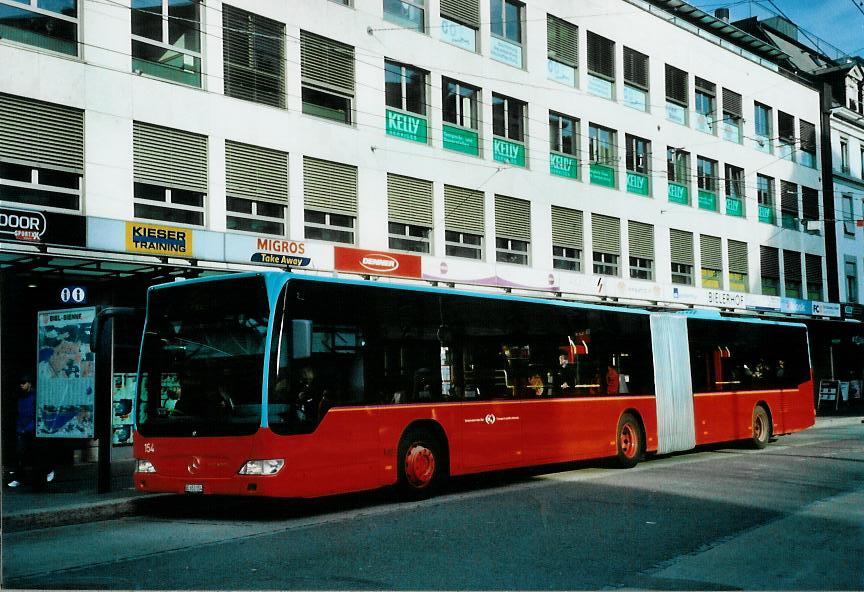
{"points": [[406, 127], [508, 152], [376, 262]]}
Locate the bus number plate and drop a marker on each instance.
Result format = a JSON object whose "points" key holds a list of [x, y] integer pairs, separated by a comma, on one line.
{"points": [[194, 488]]}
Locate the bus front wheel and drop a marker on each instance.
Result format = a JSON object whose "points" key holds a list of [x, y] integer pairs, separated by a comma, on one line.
{"points": [[630, 441], [422, 466], [761, 427]]}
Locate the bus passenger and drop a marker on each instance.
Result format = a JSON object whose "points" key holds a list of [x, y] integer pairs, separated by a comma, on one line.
{"points": [[613, 381]]}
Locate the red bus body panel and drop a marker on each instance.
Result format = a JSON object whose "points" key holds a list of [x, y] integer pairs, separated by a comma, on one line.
{"points": [[355, 448]]}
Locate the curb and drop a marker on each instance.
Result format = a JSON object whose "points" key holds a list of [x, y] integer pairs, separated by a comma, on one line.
{"points": [[94, 512]]}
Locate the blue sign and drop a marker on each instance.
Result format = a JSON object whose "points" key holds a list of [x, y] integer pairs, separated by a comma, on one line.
{"points": [[796, 306], [73, 295]]}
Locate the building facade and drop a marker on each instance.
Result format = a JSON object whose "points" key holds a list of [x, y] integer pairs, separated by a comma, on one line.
{"points": [[542, 146]]}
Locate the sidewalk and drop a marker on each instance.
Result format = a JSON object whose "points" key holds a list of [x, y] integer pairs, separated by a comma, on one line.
{"points": [[72, 498]]}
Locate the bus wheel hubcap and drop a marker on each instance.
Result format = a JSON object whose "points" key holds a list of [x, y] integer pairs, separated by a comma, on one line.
{"points": [[758, 427], [419, 465], [628, 440]]}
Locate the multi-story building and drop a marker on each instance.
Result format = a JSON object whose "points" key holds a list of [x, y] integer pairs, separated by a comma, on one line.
{"points": [[549, 146]]}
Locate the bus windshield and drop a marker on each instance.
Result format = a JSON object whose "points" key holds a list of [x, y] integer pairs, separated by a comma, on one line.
{"points": [[202, 359]]}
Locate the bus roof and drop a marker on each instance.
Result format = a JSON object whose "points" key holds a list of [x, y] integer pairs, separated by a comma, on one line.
{"points": [[276, 279]]}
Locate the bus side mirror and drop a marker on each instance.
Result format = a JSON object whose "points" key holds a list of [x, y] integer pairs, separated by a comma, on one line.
{"points": [[301, 331]]}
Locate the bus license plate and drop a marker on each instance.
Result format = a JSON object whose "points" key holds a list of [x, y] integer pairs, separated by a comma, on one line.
{"points": [[194, 488]]}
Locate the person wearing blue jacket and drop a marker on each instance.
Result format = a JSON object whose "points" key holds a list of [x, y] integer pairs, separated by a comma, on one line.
{"points": [[25, 435]]}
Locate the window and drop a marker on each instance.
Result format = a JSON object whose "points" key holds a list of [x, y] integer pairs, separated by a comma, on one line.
{"points": [[732, 116], [678, 175], [460, 109], [601, 66], [789, 215], [636, 79], [327, 72], [329, 200], [738, 266], [41, 153], [850, 267], [602, 152], [460, 22], [508, 123], [512, 230], [506, 26], [408, 13], [765, 195], [712, 261], [807, 131], [641, 240], [786, 132], [460, 103], [706, 170], [170, 174], [409, 205], [566, 239], [405, 90], [848, 215], [706, 97], [256, 188], [254, 49], [814, 277], [463, 222], [792, 273], [764, 127], [734, 191], [810, 209], [638, 165], [676, 95], [563, 145], [47, 25], [606, 244], [681, 249], [844, 155], [166, 39], [770, 259], [562, 50]]}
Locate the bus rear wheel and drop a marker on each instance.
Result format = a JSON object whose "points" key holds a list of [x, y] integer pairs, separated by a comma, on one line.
{"points": [[761, 427], [421, 464], [630, 441]]}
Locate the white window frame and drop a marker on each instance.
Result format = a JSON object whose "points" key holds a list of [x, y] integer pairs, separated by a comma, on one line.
{"points": [[170, 205], [682, 271], [32, 6], [328, 225], [229, 213], [512, 250], [473, 104], [460, 244], [405, 235], [641, 265], [163, 44], [602, 260], [35, 184], [567, 255]]}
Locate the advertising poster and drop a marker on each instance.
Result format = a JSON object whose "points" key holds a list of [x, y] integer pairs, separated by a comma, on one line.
{"points": [[65, 367], [123, 395]]}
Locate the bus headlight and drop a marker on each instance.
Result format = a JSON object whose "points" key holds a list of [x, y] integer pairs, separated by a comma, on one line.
{"points": [[263, 467], [144, 466]]}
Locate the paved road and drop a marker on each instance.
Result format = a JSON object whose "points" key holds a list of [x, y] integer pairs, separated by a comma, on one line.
{"points": [[788, 517]]}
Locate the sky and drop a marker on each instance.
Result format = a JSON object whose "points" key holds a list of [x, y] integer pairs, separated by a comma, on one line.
{"points": [[839, 22]]}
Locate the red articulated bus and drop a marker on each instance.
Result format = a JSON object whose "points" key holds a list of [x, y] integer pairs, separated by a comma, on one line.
{"points": [[274, 384]]}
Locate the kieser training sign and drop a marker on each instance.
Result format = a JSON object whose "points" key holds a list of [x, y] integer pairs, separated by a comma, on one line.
{"points": [[66, 373], [151, 239], [377, 263]]}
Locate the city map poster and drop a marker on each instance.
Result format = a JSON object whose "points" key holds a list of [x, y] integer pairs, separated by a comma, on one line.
{"points": [[66, 374]]}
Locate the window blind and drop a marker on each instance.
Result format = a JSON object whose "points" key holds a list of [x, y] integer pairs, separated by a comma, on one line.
{"points": [[409, 200], [676, 85], [169, 157], [786, 126], [327, 62], [681, 246], [807, 131], [810, 203], [466, 12], [636, 68], [706, 87], [562, 41], [738, 257], [512, 218], [792, 265], [789, 198], [601, 55], [255, 172], [463, 210], [566, 227], [732, 103], [711, 251], [329, 186], [254, 50], [770, 260], [641, 239], [41, 133], [606, 234], [814, 269]]}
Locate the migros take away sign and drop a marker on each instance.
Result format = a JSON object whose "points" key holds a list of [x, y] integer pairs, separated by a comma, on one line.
{"points": [[152, 239]]}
